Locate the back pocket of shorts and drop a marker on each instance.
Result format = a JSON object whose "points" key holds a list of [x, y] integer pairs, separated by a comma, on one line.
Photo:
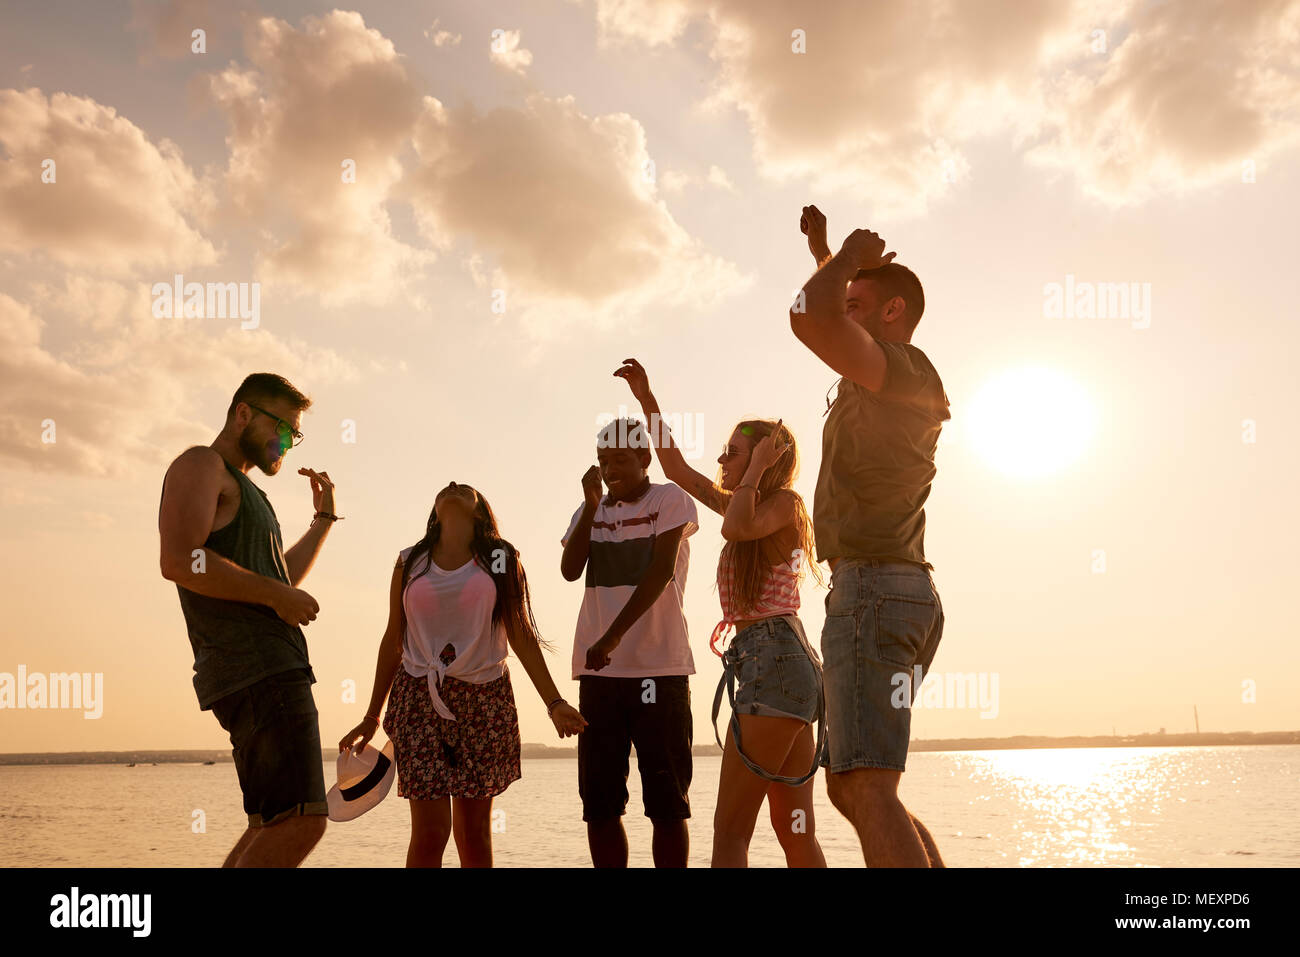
{"points": [[797, 676], [902, 625]]}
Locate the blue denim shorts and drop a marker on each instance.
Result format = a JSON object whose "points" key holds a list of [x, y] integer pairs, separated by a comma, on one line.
{"points": [[770, 669], [883, 621], [774, 675]]}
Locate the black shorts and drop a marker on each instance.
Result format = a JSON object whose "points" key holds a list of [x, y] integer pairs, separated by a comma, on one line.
{"points": [[275, 731], [656, 718]]}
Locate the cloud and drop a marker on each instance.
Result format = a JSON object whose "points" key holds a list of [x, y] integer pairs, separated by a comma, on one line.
{"points": [[882, 102], [554, 203], [563, 204], [654, 22], [82, 302], [507, 53], [314, 103], [674, 181], [442, 38], [118, 202], [126, 400], [1190, 92], [718, 177]]}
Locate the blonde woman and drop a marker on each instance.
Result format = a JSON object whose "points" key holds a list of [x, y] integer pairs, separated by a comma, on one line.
{"points": [[770, 671]]}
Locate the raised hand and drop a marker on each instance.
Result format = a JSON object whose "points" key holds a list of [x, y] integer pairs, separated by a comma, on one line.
{"points": [[591, 488], [768, 451], [635, 376], [864, 249], [812, 223], [322, 490]]}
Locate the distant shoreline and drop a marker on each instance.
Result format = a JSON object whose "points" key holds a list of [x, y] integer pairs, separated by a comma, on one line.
{"points": [[536, 751]]}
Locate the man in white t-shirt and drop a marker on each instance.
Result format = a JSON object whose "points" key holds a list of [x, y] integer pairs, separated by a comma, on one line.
{"points": [[631, 653]]}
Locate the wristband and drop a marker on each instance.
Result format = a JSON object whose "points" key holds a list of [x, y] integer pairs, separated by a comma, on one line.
{"points": [[373, 717], [330, 515], [754, 487], [550, 708]]}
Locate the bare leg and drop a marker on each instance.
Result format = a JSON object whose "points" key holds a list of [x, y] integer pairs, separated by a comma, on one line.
{"points": [[240, 846], [608, 843], [430, 828], [471, 824], [285, 844], [768, 741], [931, 851], [868, 797], [671, 843], [791, 808]]}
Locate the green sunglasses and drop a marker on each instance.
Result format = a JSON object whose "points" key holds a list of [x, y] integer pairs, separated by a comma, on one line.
{"points": [[289, 436]]}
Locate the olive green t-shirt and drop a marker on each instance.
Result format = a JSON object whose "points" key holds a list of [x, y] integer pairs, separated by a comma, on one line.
{"points": [[878, 462]]}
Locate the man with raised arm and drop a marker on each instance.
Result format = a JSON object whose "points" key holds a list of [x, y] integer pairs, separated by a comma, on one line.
{"points": [[221, 545], [883, 615]]}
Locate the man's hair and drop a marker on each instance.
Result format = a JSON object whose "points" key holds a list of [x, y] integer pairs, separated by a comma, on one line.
{"points": [[895, 279], [625, 433], [261, 387]]}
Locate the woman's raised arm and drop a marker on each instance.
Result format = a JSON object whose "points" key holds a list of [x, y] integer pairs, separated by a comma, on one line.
{"points": [[702, 488]]}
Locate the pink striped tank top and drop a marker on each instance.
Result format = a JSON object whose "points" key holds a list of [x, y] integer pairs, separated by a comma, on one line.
{"points": [[778, 596]]}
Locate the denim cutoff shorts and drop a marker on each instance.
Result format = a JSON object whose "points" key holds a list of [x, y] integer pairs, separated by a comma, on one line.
{"points": [[883, 622], [774, 675]]}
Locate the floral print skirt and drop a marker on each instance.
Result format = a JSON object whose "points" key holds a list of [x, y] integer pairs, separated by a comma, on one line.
{"points": [[476, 756]]}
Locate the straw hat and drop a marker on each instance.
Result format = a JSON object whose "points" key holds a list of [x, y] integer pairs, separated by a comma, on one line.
{"points": [[363, 781]]}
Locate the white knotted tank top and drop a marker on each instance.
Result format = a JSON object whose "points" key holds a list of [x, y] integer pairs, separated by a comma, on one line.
{"points": [[451, 608]]}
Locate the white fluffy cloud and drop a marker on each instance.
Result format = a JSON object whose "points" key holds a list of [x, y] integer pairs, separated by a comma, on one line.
{"points": [[564, 204], [885, 96], [556, 201], [118, 201], [674, 181], [314, 103], [442, 38], [122, 401], [1185, 94], [506, 52]]}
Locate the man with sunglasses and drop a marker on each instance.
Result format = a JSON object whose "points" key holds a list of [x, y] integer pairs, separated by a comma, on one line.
{"points": [[221, 545]]}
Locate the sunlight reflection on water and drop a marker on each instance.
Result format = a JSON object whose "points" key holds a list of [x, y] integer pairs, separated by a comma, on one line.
{"points": [[1132, 806]]}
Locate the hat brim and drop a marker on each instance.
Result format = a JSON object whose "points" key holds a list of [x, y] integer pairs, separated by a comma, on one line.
{"points": [[348, 804]]}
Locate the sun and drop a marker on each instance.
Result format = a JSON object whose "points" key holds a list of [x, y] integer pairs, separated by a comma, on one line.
{"points": [[1031, 422]]}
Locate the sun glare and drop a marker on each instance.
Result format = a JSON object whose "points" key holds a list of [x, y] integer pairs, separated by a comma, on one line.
{"points": [[1031, 422]]}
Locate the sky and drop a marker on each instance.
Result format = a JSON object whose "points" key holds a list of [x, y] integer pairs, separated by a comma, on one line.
{"points": [[461, 217]]}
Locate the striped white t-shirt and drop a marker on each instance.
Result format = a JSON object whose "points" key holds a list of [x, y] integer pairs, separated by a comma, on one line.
{"points": [[622, 543]]}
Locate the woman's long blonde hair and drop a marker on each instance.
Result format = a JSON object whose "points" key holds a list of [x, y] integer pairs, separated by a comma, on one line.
{"points": [[748, 564]]}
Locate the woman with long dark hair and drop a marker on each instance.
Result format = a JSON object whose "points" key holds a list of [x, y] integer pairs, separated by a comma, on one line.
{"points": [[458, 596], [770, 671]]}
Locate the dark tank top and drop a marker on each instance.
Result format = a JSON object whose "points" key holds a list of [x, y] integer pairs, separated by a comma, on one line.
{"points": [[238, 643]]}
